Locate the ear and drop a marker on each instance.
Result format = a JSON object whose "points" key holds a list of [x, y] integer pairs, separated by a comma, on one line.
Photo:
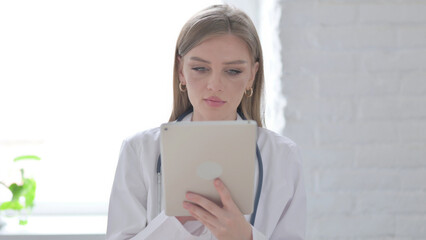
{"points": [[180, 70], [253, 75]]}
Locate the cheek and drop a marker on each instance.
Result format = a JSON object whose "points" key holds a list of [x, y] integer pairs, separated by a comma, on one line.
{"points": [[239, 86], [195, 88], [238, 80], [195, 83], [192, 76], [235, 91], [239, 83]]}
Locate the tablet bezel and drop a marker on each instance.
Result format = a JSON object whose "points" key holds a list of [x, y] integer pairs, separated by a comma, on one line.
{"points": [[186, 145]]}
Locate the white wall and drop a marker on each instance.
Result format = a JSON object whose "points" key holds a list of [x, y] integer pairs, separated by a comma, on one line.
{"points": [[354, 76]]}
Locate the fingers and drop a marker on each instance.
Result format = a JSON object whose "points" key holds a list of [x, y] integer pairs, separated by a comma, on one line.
{"points": [[205, 217], [225, 222], [184, 219], [225, 195], [203, 202]]}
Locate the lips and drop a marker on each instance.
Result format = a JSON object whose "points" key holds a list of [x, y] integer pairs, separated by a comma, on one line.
{"points": [[214, 101]]}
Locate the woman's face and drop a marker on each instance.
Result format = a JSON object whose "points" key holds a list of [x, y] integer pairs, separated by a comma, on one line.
{"points": [[216, 74]]}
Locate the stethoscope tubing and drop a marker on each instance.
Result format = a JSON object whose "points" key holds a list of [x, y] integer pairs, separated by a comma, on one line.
{"points": [[260, 177]]}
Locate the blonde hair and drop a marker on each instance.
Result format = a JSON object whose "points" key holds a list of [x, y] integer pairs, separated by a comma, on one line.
{"points": [[217, 20]]}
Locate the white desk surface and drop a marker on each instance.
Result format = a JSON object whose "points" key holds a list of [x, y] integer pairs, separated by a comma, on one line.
{"points": [[55, 227]]}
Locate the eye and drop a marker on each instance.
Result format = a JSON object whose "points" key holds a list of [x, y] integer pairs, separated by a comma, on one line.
{"points": [[233, 72], [200, 69]]}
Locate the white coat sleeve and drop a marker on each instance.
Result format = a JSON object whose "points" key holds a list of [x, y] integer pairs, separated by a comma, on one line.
{"points": [[257, 235], [163, 227], [292, 223], [127, 206], [127, 215]]}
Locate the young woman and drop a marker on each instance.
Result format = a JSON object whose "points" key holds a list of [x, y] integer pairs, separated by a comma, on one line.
{"points": [[218, 75]]}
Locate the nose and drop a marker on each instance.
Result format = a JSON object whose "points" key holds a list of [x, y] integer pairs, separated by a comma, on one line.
{"points": [[215, 82]]}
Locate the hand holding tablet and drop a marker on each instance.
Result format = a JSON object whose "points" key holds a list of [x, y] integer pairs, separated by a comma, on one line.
{"points": [[196, 153]]}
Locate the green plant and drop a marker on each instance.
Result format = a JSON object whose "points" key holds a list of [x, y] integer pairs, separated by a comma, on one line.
{"points": [[23, 194]]}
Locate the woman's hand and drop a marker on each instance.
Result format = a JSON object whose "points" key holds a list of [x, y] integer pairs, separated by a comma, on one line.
{"points": [[225, 222], [184, 219]]}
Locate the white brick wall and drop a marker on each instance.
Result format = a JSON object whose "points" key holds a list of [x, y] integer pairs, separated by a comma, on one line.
{"points": [[354, 77]]}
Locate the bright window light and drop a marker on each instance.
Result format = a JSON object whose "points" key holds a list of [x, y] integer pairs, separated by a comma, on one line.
{"points": [[76, 78]]}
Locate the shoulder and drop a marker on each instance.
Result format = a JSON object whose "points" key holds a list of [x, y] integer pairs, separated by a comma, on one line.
{"points": [[281, 150], [274, 140], [143, 139], [142, 149]]}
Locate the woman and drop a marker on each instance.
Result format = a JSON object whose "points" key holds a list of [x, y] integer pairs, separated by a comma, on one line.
{"points": [[218, 73]]}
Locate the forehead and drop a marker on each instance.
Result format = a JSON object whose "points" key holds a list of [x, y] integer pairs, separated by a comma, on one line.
{"points": [[224, 46]]}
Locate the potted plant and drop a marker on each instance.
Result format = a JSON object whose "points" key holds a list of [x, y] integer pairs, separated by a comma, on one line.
{"points": [[23, 194]]}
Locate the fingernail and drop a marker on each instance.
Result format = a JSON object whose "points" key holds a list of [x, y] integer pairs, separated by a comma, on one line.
{"points": [[217, 182], [186, 205], [189, 195]]}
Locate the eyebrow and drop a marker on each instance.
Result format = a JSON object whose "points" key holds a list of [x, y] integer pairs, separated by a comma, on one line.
{"points": [[236, 62], [226, 63], [199, 59]]}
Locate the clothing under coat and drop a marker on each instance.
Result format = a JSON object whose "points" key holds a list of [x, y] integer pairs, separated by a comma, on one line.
{"points": [[133, 211]]}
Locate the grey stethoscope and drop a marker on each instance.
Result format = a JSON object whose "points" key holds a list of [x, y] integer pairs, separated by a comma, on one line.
{"points": [[260, 177]]}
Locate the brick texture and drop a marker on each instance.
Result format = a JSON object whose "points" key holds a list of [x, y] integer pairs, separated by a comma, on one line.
{"points": [[354, 79]]}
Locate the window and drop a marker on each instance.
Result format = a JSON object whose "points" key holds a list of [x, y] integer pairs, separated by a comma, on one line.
{"points": [[76, 78]]}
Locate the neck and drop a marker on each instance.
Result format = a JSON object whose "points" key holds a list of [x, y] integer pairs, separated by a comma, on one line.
{"points": [[200, 117]]}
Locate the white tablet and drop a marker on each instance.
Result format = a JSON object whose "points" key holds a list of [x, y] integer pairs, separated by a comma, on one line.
{"points": [[193, 154]]}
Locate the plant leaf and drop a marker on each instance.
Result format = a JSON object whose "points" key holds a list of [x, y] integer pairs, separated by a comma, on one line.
{"points": [[16, 191], [26, 157], [28, 191], [15, 205]]}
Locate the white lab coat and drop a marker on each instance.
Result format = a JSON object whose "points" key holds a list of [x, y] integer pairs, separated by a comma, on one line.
{"points": [[133, 211]]}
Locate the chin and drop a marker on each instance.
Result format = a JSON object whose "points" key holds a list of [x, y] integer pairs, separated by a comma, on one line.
{"points": [[217, 116], [205, 113]]}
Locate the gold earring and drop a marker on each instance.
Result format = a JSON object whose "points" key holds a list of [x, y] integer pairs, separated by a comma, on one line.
{"points": [[249, 92], [181, 88]]}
